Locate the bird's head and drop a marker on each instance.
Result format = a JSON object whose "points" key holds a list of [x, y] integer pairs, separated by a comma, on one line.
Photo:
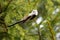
{"points": [[34, 12]]}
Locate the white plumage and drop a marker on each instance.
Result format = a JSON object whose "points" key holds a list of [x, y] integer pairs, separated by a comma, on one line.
{"points": [[34, 12]]}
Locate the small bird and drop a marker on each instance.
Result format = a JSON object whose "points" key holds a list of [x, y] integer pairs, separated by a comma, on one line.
{"points": [[31, 16]]}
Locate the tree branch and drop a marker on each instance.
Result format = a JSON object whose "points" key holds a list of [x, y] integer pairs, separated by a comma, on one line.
{"points": [[6, 6], [51, 30]]}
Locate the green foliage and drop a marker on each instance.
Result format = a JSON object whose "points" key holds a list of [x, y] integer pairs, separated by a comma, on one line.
{"points": [[15, 10]]}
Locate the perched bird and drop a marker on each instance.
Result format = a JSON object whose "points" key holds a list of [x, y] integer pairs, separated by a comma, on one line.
{"points": [[31, 16]]}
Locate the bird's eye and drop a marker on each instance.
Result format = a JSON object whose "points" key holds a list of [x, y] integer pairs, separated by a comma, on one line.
{"points": [[33, 11]]}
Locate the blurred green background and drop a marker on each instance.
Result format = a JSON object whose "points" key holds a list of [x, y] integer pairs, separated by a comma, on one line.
{"points": [[46, 26]]}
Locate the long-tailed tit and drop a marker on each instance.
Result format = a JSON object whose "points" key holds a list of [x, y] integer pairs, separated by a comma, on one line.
{"points": [[32, 15]]}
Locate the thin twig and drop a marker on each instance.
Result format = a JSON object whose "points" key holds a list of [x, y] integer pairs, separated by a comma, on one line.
{"points": [[51, 30], [39, 30], [2, 21], [6, 6]]}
